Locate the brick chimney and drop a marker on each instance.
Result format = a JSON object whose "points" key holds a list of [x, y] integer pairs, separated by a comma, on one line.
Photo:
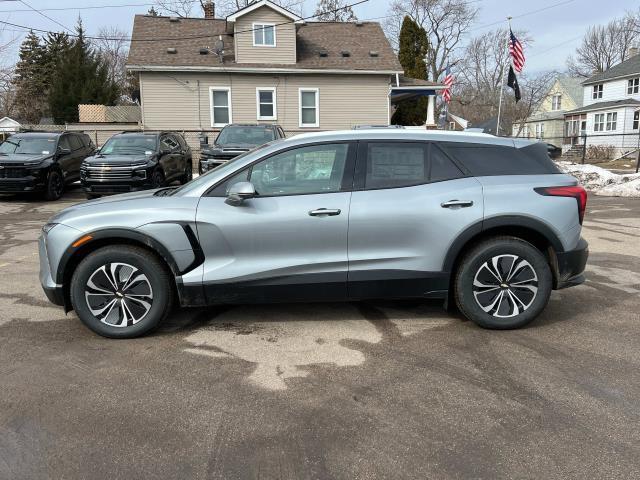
{"points": [[209, 9], [632, 52]]}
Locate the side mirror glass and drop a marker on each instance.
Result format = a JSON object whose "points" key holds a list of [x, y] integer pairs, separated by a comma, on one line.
{"points": [[64, 151], [238, 192]]}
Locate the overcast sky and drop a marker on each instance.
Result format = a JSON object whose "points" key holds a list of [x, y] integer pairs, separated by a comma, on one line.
{"points": [[556, 30]]}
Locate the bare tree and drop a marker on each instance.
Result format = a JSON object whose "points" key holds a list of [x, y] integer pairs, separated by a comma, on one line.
{"points": [[178, 8], [334, 11], [185, 8], [604, 46], [445, 21], [7, 87]]}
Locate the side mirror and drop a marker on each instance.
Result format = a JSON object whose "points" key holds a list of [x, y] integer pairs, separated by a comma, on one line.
{"points": [[64, 151], [238, 192]]}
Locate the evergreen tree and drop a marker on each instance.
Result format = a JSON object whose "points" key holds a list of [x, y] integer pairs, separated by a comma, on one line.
{"points": [[31, 80], [80, 77], [414, 46], [327, 11]]}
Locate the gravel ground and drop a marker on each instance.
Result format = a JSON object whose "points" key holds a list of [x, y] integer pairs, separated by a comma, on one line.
{"points": [[345, 391]]}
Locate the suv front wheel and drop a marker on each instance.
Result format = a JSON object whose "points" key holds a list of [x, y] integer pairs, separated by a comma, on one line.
{"points": [[503, 283], [121, 291]]}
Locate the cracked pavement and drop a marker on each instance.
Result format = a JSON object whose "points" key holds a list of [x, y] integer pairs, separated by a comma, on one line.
{"points": [[347, 391]]}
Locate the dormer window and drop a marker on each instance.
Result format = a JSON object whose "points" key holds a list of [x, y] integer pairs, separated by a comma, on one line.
{"points": [[597, 91], [556, 102], [264, 35]]}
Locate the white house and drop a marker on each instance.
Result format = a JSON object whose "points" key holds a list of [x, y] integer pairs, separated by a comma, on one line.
{"points": [[7, 127], [611, 111]]}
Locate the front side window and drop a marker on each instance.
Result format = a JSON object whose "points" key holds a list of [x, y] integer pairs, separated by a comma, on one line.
{"points": [[168, 143], [264, 35], [220, 98], [612, 121], [304, 170], [309, 114], [636, 119], [266, 103], [633, 86], [597, 91], [598, 122]]}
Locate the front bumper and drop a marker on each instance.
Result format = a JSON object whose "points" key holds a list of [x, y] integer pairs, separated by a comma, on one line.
{"points": [[31, 183], [53, 291], [570, 265], [116, 186]]}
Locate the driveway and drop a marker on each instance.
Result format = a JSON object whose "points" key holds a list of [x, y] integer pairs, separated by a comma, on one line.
{"points": [[345, 391]]}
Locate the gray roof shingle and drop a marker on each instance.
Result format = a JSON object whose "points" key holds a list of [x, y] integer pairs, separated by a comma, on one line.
{"points": [[630, 102], [630, 66], [152, 36]]}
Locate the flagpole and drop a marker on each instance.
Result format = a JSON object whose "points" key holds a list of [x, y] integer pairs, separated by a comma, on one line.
{"points": [[504, 70]]}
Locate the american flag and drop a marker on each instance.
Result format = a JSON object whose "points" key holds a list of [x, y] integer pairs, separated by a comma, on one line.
{"points": [[516, 51], [448, 83]]}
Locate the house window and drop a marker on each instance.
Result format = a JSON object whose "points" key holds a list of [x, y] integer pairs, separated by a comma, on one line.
{"points": [[309, 110], [636, 119], [597, 91], [612, 121], [556, 102], [266, 103], [539, 130], [264, 35], [598, 122], [220, 99], [633, 86], [452, 125]]}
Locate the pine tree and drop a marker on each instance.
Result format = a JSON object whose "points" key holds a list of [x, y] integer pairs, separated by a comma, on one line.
{"points": [[31, 80], [81, 77], [414, 46], [327, 11]]}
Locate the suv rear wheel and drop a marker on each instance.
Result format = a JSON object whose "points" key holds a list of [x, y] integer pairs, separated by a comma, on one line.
{"points": [[503, 283], [121, 291]]}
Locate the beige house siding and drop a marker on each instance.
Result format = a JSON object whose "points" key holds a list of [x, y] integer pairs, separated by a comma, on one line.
{"points": [[285, 50], [547, 105], [181, 101]]}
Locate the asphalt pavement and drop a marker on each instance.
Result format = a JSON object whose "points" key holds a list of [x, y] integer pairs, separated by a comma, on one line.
{"points": [[325, 391]]}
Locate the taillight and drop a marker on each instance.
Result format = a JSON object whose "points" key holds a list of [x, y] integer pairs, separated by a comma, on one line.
{"points": [[577, 192]]}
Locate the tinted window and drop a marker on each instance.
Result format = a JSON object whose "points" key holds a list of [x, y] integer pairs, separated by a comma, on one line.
{"points": [[395, 165], [312, 169], [75, 142], [245, 135], [64, 142], [483, 160], [442, 168], [169, 143], [129, 145]]}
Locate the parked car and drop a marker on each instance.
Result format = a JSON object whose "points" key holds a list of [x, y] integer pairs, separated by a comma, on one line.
{"points": [[132, 161], [236, 139], [369, 127], [554, 151], [42, 162], [486, 222]]}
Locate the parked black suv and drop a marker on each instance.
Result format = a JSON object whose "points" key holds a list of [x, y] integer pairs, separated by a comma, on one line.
{"points": [[42, 162], [236, 139], [132, 161]]}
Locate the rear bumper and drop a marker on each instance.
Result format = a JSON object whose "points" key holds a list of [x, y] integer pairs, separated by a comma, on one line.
{"points": [[571, 265]]}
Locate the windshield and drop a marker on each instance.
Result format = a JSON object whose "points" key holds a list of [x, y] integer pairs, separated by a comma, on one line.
{"points": [[245, 135], [28, 146], [230, 165], [130, 145]]}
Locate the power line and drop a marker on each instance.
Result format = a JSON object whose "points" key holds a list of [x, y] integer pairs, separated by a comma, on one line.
{"points": [[90, 7], [44, 15], [184, 37]]}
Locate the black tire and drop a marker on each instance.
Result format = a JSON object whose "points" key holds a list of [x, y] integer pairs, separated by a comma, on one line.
{"points": [[157, 178], [157, 279], [54, 185], [514, 301], [188, 174]]}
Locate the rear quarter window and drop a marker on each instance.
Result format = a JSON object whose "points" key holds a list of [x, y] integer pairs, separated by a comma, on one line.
{"points": [[489, 160]]}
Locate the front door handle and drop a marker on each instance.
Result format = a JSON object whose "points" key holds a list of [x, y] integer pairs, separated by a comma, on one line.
{"points": [[457, 204], [321, 212]]}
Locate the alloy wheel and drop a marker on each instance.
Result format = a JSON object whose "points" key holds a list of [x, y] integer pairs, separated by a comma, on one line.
{"points": [[119, 294], [505, 286]]}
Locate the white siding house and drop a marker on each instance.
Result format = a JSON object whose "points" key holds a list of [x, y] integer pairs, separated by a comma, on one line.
{"points": [[611, 111]]}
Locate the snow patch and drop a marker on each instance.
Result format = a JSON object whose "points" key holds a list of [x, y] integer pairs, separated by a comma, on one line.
{"points": [[603, 182]]}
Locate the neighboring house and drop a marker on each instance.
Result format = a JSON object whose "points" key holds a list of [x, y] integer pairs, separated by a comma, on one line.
{"points": [[611, 111], [456, 123], [265, 64], [9, 125], [548, 120]]}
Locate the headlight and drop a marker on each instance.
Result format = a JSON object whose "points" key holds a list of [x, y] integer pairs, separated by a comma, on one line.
{"points": [[46, 228]]}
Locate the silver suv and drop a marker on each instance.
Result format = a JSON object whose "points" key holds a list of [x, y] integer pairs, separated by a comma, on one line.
{"points": [[487, 223]]}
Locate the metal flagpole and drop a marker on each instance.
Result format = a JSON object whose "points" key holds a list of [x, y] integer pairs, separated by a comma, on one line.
{"points": [[502, 84]]}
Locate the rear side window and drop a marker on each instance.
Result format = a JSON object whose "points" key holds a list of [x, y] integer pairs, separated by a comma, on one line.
{"points": [[402, 164], [488, 160], [75, 142]]}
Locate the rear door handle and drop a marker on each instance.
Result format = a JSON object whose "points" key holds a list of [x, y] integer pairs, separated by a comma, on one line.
{"points": [[321, 212], [457, 204]]}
